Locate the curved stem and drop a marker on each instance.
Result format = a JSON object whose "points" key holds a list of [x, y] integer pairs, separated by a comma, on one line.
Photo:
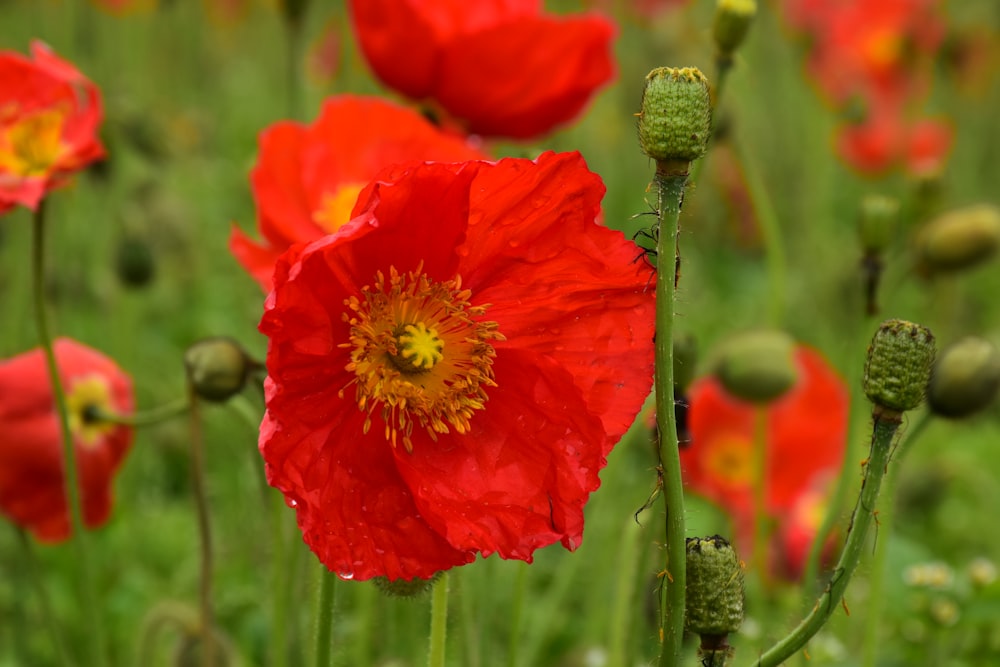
{"points": [[140, 419], [439, 622], [78, 538], [204, 530], [670, 194], [324, 618], [883, 432], [876, 581]]}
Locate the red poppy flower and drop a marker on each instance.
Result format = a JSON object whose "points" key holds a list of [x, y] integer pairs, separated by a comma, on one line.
{"points": [[806, 431], [448, 371], [503, 68], [32, 486], [49, 114], [888, 138], [308, 177]]}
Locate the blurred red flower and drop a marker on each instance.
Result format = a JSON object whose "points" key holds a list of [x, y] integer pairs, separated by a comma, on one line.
{"points": [[502, 68], [448, 371], [32, 486], [308, 177], [888, 139], [49, 115], [806, 433]]}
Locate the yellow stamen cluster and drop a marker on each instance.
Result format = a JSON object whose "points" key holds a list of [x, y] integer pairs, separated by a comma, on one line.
{"points": [[335, 209], [30, 147], [89, 396], [418, 354]]}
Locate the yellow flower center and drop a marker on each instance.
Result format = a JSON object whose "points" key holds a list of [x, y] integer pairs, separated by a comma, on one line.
{"points": [[419, 354], [883, 48], [31, 146], [729, 460], [88, 397], [336, 208]]}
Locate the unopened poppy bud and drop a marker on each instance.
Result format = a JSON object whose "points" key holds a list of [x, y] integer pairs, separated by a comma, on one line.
{"points": [[217, 368], [731, 23], [676, 116], [958, 240], [714, 587], [964, 379], [134, 262], [898, 366], [877, 223], [757, 366], [405, 588]]}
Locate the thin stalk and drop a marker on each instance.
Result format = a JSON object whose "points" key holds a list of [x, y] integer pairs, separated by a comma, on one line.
{"points": [[760, 518], [48, 618], [78, 538], [883, 432], [143, 418], [293, 73], [439, 622], [280, 576], [324, 618], [876, 581], [669, 196], [204, 531], [517, 611], [623, 602], [767, 217]]}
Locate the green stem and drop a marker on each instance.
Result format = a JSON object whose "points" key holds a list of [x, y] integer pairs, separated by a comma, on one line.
{"points": [[439, 622], [670, 193], [623, 603], [324, 618], [760, 518], [88, 594], [864, 511], [767, 217], [293, 73], [204, 531], [48, 618], [876, 581], [281, 576], [520, 584], [139, 419]]}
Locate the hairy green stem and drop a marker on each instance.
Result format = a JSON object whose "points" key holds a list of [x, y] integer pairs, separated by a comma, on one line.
{"points": [[669, 196], [439, 622], [88, 593], [883, 432], [876, 581], [324, 618], [206, 624]]}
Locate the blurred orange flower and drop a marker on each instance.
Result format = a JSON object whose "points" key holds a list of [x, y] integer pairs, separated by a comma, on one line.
{"points": [[308, 177], [32, 483], [49, 115], [501, 68], [806, 433]]}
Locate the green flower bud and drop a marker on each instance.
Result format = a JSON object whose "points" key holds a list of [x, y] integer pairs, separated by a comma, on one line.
{"points": [[877, 223], [217, 368], [676, 116], [959, 239], [134, 262], [757, 366], [964, 379], [714, 587], [731, 23], [405, 588], [898, 366]]}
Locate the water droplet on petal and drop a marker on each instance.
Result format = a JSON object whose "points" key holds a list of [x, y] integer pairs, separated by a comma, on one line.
{"points": [[291, 502], [346, 576]]}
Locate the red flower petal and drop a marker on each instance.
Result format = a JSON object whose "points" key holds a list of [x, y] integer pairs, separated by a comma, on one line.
{"points": [[302, 169], [48, 105], [518, 476], [503, 68], [32, 492]]}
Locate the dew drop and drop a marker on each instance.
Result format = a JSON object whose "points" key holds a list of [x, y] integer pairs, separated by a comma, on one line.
{"points": [[346, 576], [291, 502]]}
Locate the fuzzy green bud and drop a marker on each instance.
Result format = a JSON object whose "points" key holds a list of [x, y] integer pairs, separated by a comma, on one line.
{"points": [[714, 587], [676, 116], [405, 588], [731, 22], [217, 368], [964, 379], [877, 223], [757, 366], [959, 239], [898, 366]]}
